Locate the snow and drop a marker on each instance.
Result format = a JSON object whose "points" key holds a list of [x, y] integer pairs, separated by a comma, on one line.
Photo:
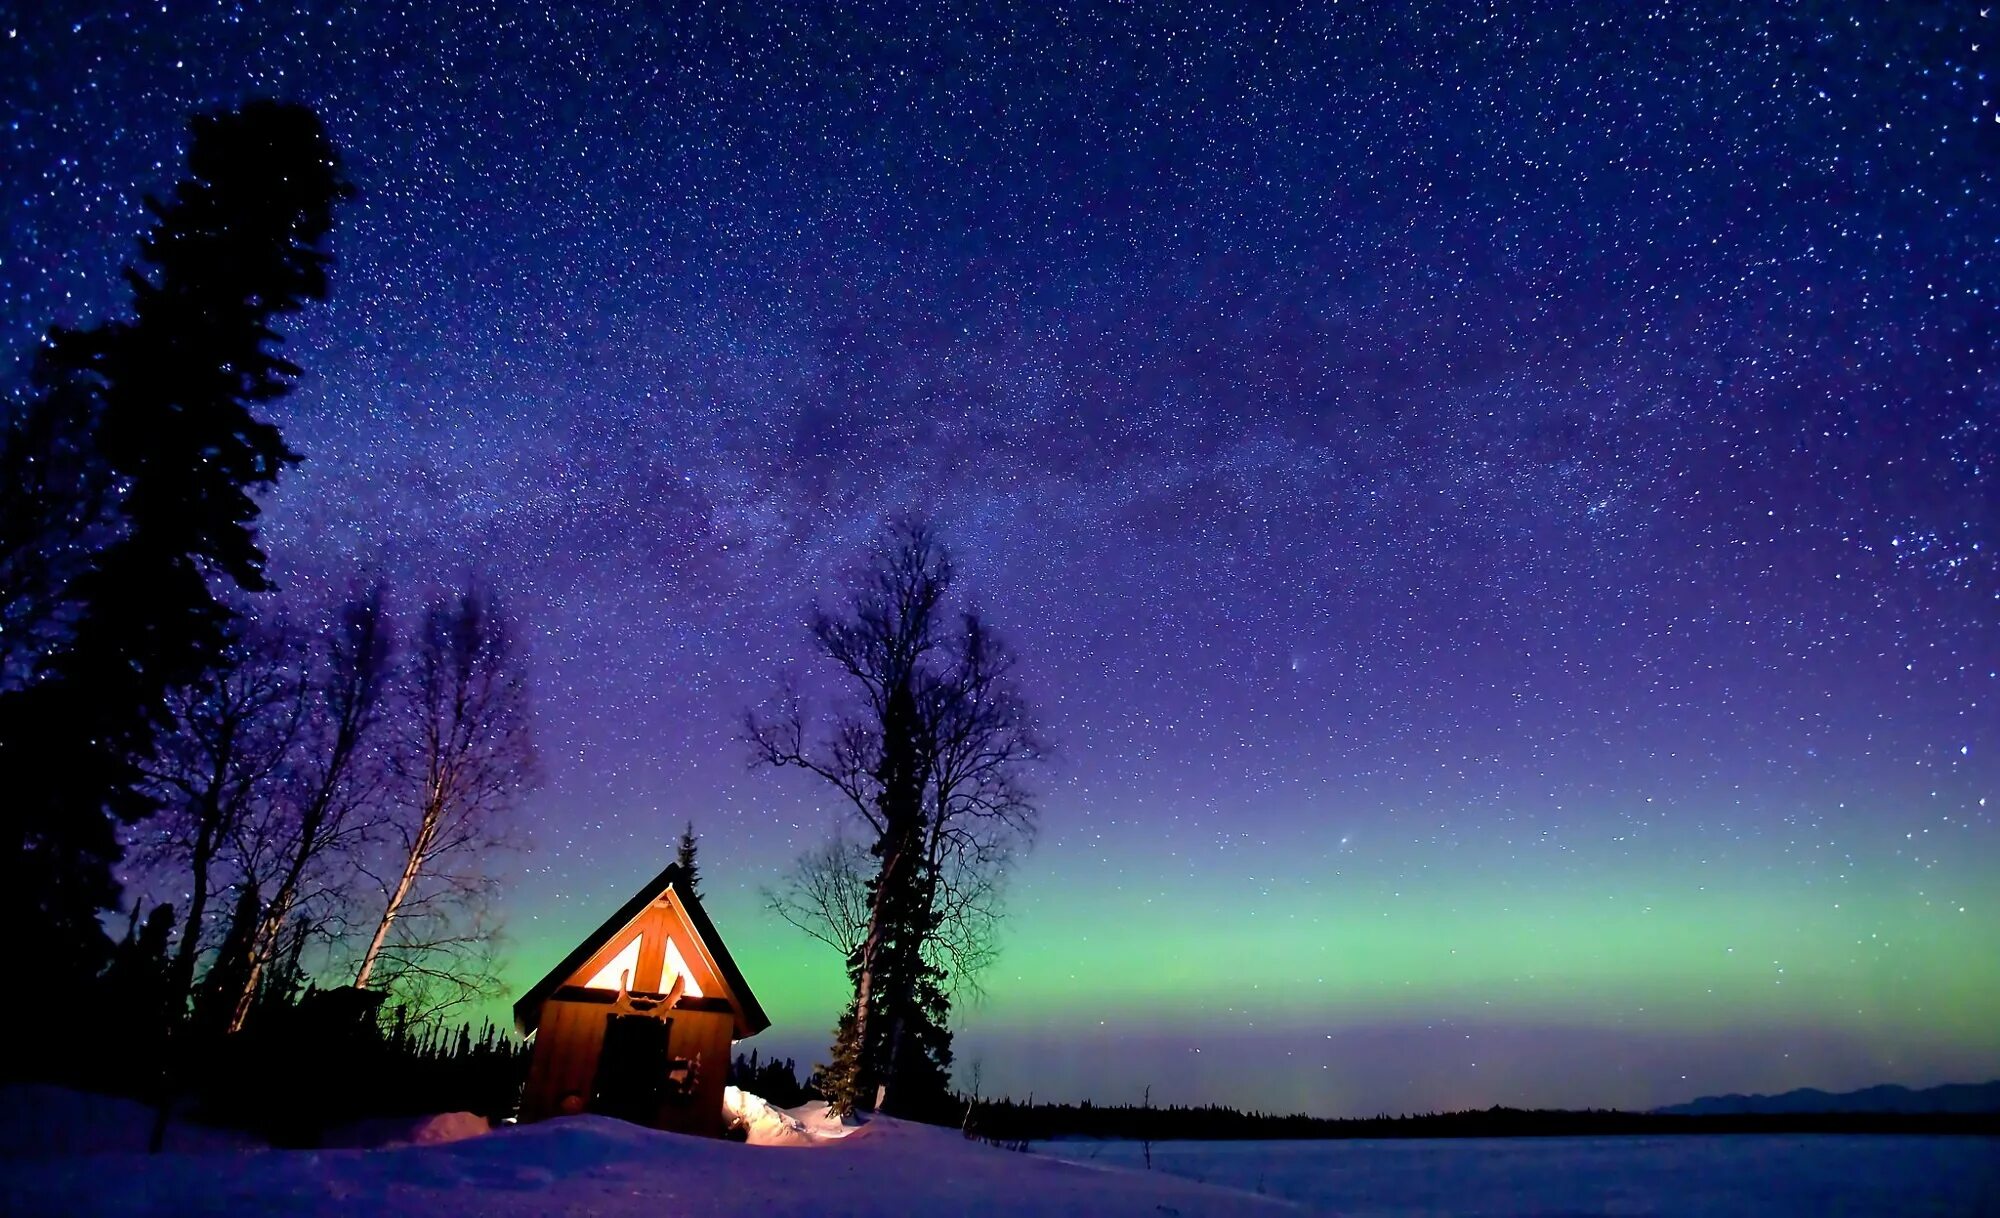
{"points": [[766, 1125], [802, 1162], [389, 1132], [38, 1121], [591, 1165], [1724, 1176]]}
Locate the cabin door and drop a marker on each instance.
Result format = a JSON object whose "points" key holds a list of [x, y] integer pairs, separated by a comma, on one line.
{"points": [[632, 1069]]}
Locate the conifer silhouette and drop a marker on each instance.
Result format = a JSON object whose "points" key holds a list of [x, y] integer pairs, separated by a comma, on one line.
{"points": [[163, 410]]}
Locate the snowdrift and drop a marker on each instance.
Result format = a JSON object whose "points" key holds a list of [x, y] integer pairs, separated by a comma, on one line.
{"points": [[591, 1165], [807, 1125], [38, 1121], [46, 1122], [390, 1132]]}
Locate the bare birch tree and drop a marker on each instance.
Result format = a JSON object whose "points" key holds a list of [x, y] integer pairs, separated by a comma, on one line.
{"points": [[873, 756], [926, 754], [214, 766], [465, 756], [825, 894], [316, 819], [979, 739]]}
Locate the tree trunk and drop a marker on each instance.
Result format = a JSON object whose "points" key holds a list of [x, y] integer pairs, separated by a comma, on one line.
{"points": [[864, 982], [412, 867], [388, 919], [265, 946], [190, 944]]}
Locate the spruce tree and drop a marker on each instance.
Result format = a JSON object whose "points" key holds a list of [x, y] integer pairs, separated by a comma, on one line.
{"points": [[121, 1041], [685, 859], [279, 985], [903, 1048], [839, 1078], [169, 402]]}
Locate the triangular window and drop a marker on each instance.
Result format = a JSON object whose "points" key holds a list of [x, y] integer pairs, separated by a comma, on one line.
{"points": [[619, 974], [676, 966]]}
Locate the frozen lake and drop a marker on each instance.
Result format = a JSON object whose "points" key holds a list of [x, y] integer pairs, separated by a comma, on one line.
{"points": [[1754, 1176]]}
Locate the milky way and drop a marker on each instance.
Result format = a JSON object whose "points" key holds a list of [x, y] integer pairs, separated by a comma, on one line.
{"points": [[1496, 505]]}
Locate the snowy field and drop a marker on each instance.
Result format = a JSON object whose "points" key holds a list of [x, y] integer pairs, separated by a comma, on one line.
{"points": [[1752, 1176], [66, 1154], [602, 1168]]}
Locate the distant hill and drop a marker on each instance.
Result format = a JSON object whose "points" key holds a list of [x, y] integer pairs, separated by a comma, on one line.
{"points": [[1952, 1097]]}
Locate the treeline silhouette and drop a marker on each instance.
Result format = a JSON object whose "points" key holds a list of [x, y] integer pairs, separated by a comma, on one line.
{"points": [[303, 1064], [308, 1067], [1005, 1121], [774, 1081]]}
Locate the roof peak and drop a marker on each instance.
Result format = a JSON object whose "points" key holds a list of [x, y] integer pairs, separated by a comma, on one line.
{"points": [[671, 879]]}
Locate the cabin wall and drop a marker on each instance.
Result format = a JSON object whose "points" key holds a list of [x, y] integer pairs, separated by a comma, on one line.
{"points": [[564, 1061], [570, 1038], [707, 1037]]}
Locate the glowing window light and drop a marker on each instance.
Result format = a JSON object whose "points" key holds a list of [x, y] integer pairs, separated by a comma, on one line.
{"points": [[679, 967], [625, 963]]}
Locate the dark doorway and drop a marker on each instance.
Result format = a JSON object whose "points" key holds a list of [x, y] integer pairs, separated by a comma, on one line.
{"points": [[632, 1069]]}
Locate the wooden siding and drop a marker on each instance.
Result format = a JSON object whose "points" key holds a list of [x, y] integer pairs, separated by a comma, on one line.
{"points": [[570, 1037], [564, 1060], [703, 1037], [563, 1066]]}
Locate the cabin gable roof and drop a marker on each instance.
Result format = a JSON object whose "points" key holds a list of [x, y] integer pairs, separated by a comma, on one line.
{"points": [[750, 1016]]}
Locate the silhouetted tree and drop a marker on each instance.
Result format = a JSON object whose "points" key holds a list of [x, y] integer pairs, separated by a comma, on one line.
{"points": [[126, 1037], [279, 978], [874, 758], [54, 514], [155, 421], [775, 1081], [139, 977], [336, 772], [685, 857], [465, 756], [979, 737], [927, 754], [225, 738], [825, 894], [215, 1001]]}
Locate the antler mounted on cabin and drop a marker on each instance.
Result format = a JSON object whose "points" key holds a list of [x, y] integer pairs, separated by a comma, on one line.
{"points": [[628, 1003]]}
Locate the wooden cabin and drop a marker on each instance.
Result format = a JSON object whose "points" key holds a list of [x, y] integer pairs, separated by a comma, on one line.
{"points": [[638, 1021]]}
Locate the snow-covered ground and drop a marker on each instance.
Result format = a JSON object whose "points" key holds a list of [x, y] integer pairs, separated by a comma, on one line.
{"points": [[594, 1166], [1754, 1176], [38, 1121], [70, 1155]]}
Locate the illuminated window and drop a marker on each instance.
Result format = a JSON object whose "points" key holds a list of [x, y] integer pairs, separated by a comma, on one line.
{"points": [[679, 967], [625, 963]]}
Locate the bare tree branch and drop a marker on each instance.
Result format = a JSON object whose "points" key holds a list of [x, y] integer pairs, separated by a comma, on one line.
{"points": [[926, 754], [825, 894], [213, 770], [316, 819], [465, 756]]}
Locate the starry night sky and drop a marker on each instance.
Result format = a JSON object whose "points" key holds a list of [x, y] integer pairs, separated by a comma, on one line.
{"points": [[1497, 505]]}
